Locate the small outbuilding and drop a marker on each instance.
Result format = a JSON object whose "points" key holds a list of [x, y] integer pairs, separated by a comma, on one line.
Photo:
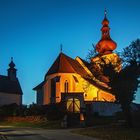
{"points": [[10, 89]]}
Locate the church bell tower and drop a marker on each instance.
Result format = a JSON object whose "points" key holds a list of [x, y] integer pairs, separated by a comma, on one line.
{"points": [[12, 72], [105, 48]]}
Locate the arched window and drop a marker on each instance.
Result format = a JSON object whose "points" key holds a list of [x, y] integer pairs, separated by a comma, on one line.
{"points": [[66, 85]]}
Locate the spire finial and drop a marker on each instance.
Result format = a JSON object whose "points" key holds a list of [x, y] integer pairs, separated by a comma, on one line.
{"points": [[11, 65], [11, 58], [105, 12], [61, 47]]}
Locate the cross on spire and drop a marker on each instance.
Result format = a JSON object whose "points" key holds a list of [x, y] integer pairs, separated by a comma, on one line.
{"points": [[61, 47], [11, 58], [105, 12]]}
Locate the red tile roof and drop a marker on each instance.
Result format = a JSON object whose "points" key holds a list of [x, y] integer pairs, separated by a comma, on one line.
{"points": [[65, 64]]}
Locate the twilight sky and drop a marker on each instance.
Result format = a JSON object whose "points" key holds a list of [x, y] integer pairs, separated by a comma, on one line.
{"points": [[31, 32]]}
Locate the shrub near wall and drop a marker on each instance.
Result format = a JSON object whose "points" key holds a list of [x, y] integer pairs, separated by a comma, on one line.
{"points": [[136, 118], [23, 110], [13, 110], [31, 119], [55, 111], [32, 112]]}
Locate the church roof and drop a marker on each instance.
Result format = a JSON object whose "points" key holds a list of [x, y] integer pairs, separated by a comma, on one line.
{"points": [[85, 62], [65, 64], [98, 85], [9, 86], [39, 86]]}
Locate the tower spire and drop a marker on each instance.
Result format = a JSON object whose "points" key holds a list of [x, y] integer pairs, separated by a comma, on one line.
{"points": [[106, 44], [11, 70]]}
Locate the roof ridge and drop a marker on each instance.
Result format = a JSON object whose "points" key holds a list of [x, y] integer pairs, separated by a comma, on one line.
{"points": [[67, 58], [61, 64]]}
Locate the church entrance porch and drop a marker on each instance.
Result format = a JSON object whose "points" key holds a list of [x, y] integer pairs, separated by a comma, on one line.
{"points": [[74, 105]]}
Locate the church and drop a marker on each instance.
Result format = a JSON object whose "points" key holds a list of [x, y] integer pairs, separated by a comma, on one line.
{"points": [[10, 89], [74, 77]]}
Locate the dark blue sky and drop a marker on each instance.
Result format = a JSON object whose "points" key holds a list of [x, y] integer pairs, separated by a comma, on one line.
{"points": [[31, 31]]}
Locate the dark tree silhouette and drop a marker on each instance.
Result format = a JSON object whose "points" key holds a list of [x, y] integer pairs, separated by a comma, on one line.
{"points": [[131, 53], [91, 53], [124, 84]]}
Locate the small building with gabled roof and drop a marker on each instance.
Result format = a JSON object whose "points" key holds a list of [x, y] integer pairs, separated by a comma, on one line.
{"points": [[10, 89]]}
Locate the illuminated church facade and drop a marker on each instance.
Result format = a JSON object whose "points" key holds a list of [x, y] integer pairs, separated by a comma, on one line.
{"points": [[68, 76]]}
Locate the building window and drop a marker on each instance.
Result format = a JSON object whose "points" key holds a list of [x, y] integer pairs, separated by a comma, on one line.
{"points": [[53, 91], [66, 85]]}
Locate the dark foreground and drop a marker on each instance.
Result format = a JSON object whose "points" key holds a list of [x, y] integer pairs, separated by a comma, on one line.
{"points": [[111, 133], [40, 134]]}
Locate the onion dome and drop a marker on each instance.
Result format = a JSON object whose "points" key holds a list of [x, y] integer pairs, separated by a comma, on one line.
{"points": [[106, 45], [11, 64]]}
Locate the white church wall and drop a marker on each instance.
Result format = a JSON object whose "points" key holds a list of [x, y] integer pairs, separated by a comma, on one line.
{"points": [[46, 93], [8, 98], [91, 93]]}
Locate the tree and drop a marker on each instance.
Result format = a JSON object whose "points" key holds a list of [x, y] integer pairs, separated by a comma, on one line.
{"points": [[131, 53], [124, 84], [91, 53]]}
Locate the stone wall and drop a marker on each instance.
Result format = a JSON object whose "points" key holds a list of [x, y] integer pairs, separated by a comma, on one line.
{"points": [[105, 108]]}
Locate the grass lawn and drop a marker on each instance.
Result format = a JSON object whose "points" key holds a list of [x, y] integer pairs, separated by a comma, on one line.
{"points": [[45, 125], [111, 133]]}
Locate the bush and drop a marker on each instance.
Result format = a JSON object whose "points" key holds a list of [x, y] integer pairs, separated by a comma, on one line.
{"points": [[22, 110], [35, 110], [136, 118], [9, 110], [55, 111], [52, 111]]}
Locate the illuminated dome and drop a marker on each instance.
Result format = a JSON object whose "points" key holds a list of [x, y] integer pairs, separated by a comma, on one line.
{"points": [[106, 45]]}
